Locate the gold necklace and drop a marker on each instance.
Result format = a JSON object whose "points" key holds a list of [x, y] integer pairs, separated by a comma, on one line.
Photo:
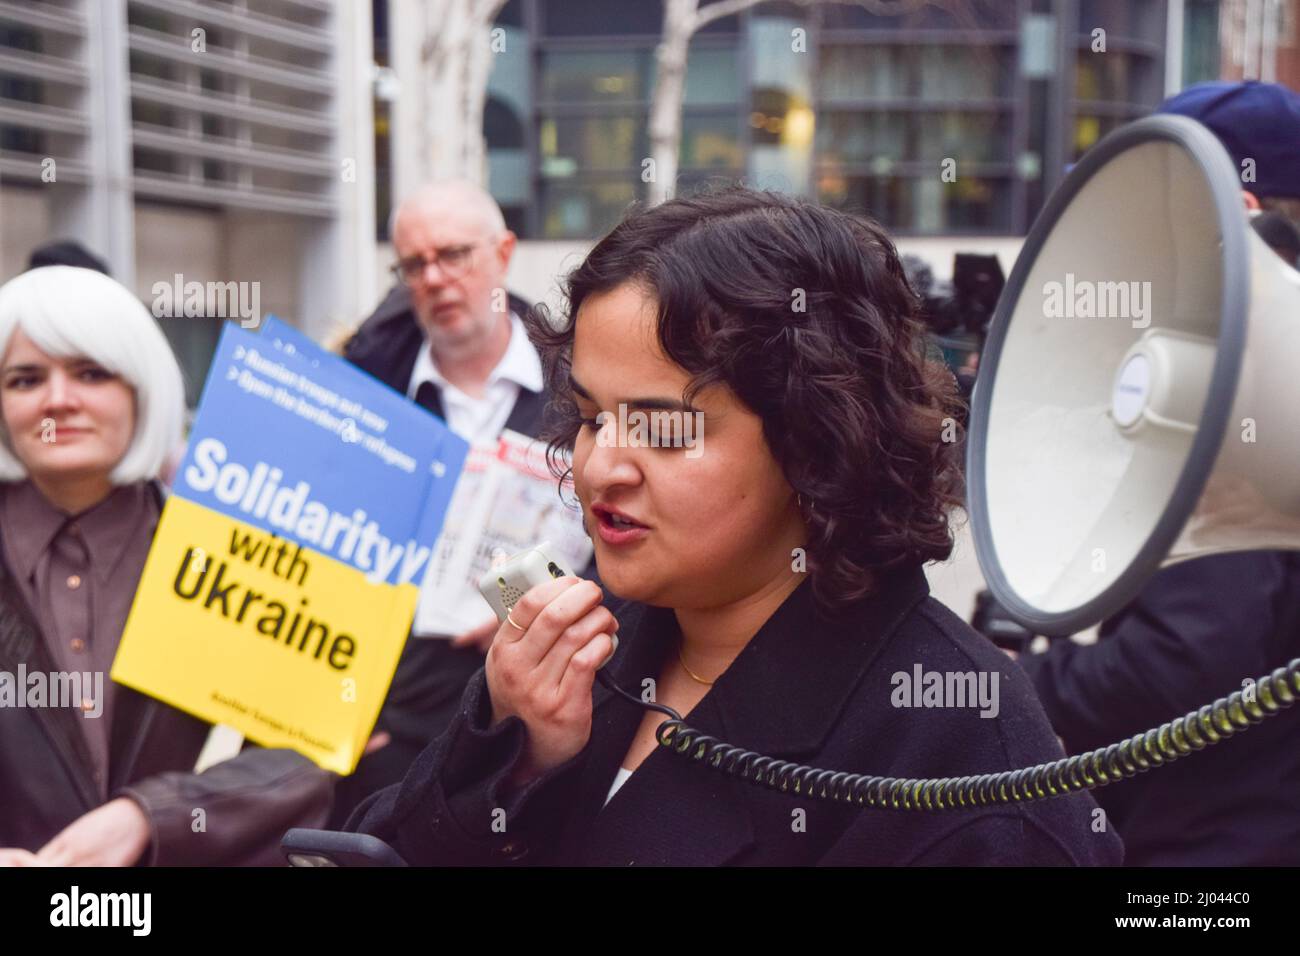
{"points": [[695, 677]]}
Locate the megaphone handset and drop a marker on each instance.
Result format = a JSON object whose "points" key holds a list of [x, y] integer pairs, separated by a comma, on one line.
{"points": [[1266, 697]]}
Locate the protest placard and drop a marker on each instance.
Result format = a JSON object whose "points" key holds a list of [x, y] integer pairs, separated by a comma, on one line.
{"points": [[284, 573]]}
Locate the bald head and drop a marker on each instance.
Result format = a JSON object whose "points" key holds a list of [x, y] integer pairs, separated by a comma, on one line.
{"points": [[461, 198], [453, 251]]}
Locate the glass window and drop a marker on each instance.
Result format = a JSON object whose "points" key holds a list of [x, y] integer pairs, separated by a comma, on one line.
{"points": [[1102, 76], [582, 210], [570, 145], [981, 137], [972, 203], [511, 15], [22, 140], [601, 17], [1111, 15], [883, 198], [774, 61], [21, 88], [152, 67], [194, 342], [153, 161], [859, 136], [1089, 129], [711, 142], [850, 73], [145, 111], [1200, 41], [712, 77], [502, 127], [593, 76], [922, 205], [18, 38], [959, 73], [993, 14]]}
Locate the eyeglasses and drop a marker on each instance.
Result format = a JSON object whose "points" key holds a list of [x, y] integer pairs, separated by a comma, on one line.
{"points": [[453, 261]]}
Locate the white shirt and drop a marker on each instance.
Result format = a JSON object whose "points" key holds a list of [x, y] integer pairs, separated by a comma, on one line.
{"points": [[620, 778], [479, 420]]}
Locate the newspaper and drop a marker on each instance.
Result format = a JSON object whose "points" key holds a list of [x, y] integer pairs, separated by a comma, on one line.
{"points": [[505, 502]]}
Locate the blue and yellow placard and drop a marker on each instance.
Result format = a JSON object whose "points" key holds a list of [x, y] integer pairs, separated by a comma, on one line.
{"points": [[285, 570]]}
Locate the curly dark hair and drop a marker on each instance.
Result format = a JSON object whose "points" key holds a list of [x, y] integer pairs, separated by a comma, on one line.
{"points": [[853, 410]]}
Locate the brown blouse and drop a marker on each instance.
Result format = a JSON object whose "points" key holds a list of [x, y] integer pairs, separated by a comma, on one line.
{"points": [[78, 575]]}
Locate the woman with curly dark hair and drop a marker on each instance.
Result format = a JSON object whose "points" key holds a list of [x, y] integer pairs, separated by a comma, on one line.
{"points": [[765, 459]]}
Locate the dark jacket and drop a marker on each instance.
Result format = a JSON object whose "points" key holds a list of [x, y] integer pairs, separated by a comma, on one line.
{"points": [[803, 689], [389, 341], [431, 674], [1194, 633], [45, 783]]}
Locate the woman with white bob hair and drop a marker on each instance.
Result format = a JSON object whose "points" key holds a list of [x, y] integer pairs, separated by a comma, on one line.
{"points": [[91, 407]]}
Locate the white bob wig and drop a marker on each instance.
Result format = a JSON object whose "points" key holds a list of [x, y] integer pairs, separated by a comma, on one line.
{"points": [[80, 313]]}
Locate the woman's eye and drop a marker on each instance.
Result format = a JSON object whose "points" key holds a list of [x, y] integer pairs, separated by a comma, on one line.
{"points": [[20, 381], [95, 374]]}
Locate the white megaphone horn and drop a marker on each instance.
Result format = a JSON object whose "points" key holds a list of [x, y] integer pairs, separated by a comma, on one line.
{"points": [[1138, 400]]}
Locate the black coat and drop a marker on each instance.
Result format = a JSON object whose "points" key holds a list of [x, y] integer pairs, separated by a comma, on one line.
{"points": [[431, 674], [389, 341], [1194, 633], [46, 769], [803, 689]]}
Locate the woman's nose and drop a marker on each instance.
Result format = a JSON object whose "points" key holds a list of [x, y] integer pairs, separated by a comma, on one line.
{"points": [[607, 463], [59, 391]]}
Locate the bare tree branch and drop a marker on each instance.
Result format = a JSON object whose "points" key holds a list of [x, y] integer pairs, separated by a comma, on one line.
{"points": [[485, 11], [716, 11]]}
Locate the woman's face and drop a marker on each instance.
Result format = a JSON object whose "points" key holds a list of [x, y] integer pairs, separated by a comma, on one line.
{"points": [[717, 521], [67, 418]]}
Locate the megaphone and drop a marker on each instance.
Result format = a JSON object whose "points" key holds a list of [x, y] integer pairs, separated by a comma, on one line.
{"points": [[1138, 395]]}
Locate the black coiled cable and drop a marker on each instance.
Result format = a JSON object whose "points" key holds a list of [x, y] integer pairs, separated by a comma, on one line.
{"points": [[1195, 731]]}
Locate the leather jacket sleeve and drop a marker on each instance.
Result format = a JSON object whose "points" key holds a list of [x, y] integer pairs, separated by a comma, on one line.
{"points": [[456, 806], [235, 812]]}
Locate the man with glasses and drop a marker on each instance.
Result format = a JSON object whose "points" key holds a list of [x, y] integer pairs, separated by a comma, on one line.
{"points": [[449, 336]]}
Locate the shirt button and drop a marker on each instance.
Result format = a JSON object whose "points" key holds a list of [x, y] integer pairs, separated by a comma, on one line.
{"points": [[78, 644], [74, 581], [87, 704]]}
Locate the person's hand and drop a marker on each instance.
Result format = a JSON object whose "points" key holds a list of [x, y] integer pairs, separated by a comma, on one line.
{"points": [[480, 637], [116, 834], [543, 673], [16, 857]]}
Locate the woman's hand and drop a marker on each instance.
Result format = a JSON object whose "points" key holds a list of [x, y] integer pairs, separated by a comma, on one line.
{"points": [[480, 637], [116, 834], [543, 674], [14, 856]]}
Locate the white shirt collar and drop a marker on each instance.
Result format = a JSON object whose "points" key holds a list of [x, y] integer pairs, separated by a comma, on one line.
{"points": [[520, 364]]}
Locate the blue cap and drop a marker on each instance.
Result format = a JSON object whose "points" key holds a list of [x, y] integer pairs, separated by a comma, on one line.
{"points": [[1253, 120]]}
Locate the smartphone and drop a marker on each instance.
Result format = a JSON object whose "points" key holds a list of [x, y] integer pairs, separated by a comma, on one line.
{"points": [[504, 585]]}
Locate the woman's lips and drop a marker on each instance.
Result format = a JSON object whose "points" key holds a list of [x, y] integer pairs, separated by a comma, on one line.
{"points": [[618, 531]]}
